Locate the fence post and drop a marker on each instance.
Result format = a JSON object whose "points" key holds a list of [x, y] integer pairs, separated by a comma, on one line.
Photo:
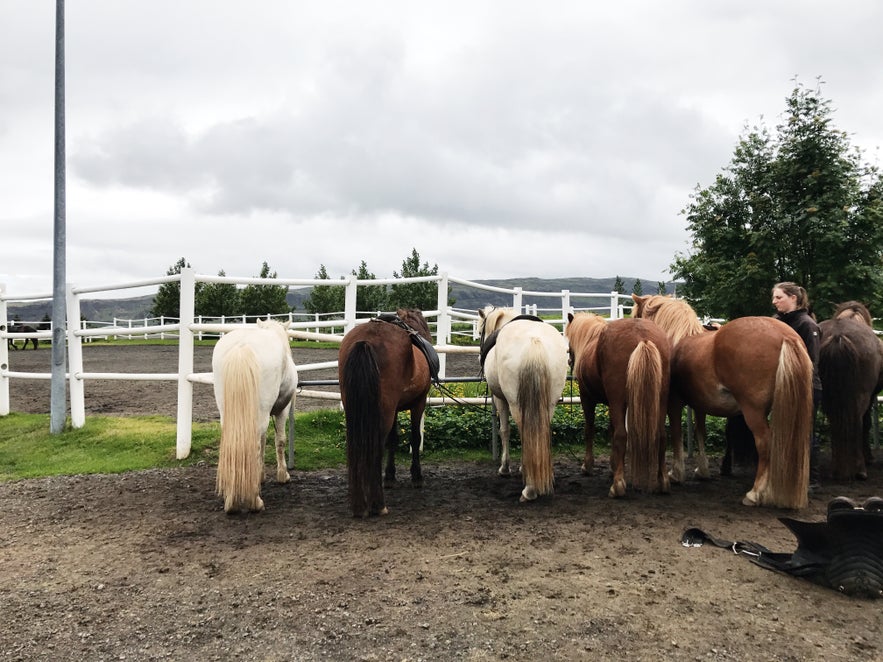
{"points": [[76, 385], [565, 307], [4, 356], [185, 363], [516, 299], [443, 322], [349, 304], [614, 305]]}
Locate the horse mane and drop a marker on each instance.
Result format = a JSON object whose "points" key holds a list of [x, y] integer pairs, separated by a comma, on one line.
{"points": [[674, 316], [583, 329], [853, 310], [492, 318]]}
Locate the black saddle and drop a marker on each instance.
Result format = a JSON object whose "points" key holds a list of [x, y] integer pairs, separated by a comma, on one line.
{"points": [[417, 340], [844, 553], [491, 340]]}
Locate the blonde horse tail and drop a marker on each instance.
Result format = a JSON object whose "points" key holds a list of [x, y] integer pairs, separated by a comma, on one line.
{"points": [[534, 401], [240, 457], [790, 427], [643, 388], [360, 386]]}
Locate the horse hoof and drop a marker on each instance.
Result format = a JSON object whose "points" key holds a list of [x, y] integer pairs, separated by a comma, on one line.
{"points": [[283, 478], [616, 492], [529, 493], [675, 477], [748, 500]]}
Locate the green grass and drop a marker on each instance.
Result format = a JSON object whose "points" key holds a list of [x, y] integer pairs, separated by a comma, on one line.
{"points": [[115, 445]]}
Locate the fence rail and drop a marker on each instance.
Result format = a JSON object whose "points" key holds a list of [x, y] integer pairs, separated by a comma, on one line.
{"points": [[189, 327]]}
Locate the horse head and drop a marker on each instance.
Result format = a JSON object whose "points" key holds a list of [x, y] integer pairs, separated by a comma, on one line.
{"points": [[853, 310]]}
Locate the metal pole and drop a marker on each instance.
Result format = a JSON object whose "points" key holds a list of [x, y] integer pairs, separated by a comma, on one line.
{"points": [[58, 406]]}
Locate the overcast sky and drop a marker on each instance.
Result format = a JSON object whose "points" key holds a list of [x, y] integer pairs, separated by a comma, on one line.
{"points": [[500, 139]]}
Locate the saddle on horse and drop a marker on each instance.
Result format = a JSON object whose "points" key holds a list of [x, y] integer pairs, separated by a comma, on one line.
{"points": [[844, 553], [419, 341]]}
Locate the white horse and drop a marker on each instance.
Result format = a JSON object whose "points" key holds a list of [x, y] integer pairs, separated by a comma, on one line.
{"points": [[525, 365], [255, 378]]}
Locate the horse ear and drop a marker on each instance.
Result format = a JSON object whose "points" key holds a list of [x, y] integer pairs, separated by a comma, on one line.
{"points": [[569, 317], [481, 313]]}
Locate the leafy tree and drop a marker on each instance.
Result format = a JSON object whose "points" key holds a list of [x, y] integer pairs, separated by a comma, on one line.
{"points": [[796, 206], [618, 285], [262, 300], [324, 298], [415, 295], [638, 287], [217, 299], [167, 301], [369, 298], [661, 288]]}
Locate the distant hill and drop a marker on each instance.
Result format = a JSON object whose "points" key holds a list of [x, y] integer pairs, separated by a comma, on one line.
{"points": [[106, 310]]}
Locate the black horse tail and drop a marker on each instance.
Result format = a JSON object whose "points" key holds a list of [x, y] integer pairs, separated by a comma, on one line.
{"points": [[839, 363], [365, 436]]}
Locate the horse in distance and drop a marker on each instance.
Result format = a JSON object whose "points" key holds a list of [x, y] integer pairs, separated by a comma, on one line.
{"points": [[625, 365], [384, 366], [524, 361], [254, 379], [758, 366], [17, 327]]}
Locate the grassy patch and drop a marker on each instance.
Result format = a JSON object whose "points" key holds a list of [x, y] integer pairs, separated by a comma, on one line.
{"points": [[115, 444]]}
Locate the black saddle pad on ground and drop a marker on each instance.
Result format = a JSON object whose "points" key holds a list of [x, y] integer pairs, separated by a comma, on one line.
{"points": [[843, 553]]}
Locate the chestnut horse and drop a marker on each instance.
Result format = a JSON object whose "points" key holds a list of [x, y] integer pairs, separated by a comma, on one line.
{"points": [[754, 365], [385, 366], [851, 370], [524, 361], [625, 365], [254, 378]]}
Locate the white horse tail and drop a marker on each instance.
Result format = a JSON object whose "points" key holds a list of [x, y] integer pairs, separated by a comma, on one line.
{"points": [[643, 387], [536, 403], [241, 455], [790, 427]]}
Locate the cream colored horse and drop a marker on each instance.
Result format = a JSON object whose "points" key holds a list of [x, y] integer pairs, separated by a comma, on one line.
{"points": [[254, 378], [525, 364]]}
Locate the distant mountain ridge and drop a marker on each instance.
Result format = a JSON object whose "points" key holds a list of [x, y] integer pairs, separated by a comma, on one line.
{"points": [[106, 310]]}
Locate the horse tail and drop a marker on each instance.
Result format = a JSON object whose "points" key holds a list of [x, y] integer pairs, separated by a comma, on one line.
{"points": [[365, 436], [643, 388], [536, 403], [791, 426], [839, 363], [240, 457]]}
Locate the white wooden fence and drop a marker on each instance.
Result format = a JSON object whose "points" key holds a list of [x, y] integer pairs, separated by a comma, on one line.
{"points": [[187, 328]]}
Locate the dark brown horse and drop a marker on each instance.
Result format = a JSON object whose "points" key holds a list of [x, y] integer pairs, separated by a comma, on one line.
{"points": [[382, 371], [16, 327], [625, 365], [756, 365], [851, 370]]}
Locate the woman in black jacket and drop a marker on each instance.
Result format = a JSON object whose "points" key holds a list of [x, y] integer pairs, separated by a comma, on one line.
{"points": [[792, 307]]}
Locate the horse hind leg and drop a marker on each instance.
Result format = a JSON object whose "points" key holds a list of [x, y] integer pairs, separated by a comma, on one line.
{"points": [[702, 472], [416, 445], [501, 413], [282, 475], [392, 443]]}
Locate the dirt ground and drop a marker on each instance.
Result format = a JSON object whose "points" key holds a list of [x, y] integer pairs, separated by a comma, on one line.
{"points": [[146, 566]]}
